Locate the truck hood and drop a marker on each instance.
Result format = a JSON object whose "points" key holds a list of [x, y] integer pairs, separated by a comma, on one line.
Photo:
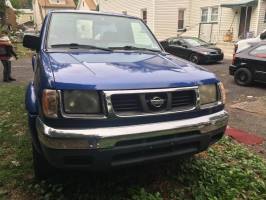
{"points": [[124, 70]]}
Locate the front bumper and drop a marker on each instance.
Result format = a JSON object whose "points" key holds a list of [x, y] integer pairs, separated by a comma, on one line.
{"points": [[232, 69], [116, 146], [213, 58], [108, 137]]}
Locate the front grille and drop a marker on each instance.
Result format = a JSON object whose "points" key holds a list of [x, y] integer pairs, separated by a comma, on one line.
{"points": [[183, 99], [152, 103], [126, 103]]}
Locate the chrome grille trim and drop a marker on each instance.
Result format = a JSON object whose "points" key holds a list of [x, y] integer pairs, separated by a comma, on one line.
{"points": [[112, 114]]}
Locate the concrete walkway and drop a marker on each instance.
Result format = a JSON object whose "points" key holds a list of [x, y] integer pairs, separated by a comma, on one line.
{"points": [[21, 70]]}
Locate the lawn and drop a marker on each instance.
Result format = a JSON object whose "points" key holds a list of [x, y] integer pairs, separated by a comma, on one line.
{"points": [[226, 171], [21, 51]]}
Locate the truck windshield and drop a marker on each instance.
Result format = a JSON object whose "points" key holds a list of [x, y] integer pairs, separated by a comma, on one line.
{"points": [[99, 32]]}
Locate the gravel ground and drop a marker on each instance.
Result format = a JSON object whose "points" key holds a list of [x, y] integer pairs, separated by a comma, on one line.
{"points": [[247, 121]]}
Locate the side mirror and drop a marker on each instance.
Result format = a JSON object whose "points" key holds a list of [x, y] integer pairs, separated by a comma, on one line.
{"points": [[32, 42], [183, 45], [263, 36], [164, 43]]}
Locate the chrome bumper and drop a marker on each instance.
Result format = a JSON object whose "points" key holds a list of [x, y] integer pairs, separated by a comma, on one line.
{"points": [[107, 137]]}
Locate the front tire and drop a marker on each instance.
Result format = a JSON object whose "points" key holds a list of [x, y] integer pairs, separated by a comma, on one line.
{"points": [[194, 58], [42, 169], [243, 77]]}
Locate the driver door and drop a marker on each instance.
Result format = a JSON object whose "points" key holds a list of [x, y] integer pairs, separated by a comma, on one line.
{"points": [[176, 48], [259, 62]]}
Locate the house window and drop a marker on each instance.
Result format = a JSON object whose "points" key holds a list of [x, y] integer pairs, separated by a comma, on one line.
{"points": [[204, 14], [209, 14], [181, 16], [124, 12], [265, 17], [214, 14], [144, 14]]}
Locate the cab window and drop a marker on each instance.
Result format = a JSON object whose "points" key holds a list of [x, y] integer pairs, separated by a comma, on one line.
{"points": [[259, 52]]}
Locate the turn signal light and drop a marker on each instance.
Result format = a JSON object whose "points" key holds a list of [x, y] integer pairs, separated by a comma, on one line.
{"points": [[222, 92], [50, 103]]}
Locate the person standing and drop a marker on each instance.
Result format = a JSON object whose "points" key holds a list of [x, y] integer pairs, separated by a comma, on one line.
{"points": [[7, 53]]}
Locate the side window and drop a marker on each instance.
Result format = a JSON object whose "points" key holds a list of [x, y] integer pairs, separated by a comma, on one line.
{"points": [[204, 15], [259, 52], [144, 15], [181, 16], [214, 14]]}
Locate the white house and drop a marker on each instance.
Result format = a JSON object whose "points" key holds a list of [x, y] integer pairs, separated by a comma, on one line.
{"points": [[24, 16], [87, 5], [211, 20], [42, 7]]}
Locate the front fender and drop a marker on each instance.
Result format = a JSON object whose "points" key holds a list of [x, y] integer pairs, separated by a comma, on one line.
{"points": [[30, 100]]}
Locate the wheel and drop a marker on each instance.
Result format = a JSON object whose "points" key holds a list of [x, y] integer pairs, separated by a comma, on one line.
{"points": [[42, 169], [194, 58], [243, 77]]}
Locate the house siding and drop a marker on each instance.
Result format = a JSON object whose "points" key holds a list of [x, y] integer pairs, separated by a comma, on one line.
{"points": [[39, 11], [228, 19], [166, 17], [86, 5], [24, 17], [261, 17], [163, 17], [132, 7]]}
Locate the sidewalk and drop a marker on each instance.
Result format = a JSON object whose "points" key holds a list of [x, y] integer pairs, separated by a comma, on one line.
{"points": [[21, 70]]}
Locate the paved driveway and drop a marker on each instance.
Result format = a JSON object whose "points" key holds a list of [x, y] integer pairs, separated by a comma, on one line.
{"points": [[21, 70], [248, 121]]}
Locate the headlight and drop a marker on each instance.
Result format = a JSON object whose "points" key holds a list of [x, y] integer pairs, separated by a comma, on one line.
{"points": [[205, 52], [81, 102], [208, 94], [50, 103]]}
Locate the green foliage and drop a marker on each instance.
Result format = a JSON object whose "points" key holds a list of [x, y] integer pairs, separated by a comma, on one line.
{"points": [[227, 171], [18, 4], [76, 2], [15, 153], [2, 11], [141, 194]]}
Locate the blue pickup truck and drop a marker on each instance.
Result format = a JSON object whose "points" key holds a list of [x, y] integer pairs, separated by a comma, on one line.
{"points": [[105, 94]]}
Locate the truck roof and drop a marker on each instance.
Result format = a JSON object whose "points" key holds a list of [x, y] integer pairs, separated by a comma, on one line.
{"points": [[92, 12]]}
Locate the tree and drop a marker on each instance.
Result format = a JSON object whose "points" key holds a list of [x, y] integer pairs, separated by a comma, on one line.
{"points": [[18, 4], [76, 2], [2, 12]]}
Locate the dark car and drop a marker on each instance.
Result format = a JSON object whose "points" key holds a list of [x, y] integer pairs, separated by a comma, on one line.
{"points": [[105, 95], [193, 49], [250, 64]]}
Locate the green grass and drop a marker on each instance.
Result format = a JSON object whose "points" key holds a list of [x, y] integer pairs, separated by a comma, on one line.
{"points": [[226, 171], [21, 51]]}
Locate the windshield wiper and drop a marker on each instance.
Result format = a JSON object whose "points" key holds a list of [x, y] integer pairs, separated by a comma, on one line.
{"points": [[77, 46], [134, 48]]}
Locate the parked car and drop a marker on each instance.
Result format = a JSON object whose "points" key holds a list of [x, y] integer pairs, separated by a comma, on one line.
{"points": [[193, 49], [246, 43], [105, 94], [250, 64]]}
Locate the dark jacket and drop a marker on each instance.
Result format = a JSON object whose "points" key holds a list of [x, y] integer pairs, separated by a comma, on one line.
{"points": [[7, 52]]}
